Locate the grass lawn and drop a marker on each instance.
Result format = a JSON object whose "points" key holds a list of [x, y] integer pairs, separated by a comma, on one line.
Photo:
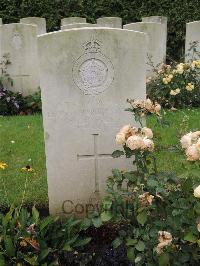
{"points": [[21, 144]]}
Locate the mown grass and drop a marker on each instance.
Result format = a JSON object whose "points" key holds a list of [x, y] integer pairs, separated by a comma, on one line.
{"points": [[22, 144]]}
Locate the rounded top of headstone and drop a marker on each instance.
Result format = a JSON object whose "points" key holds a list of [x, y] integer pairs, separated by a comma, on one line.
{"points": [[113, 22], [158, 19], [77, 25], [32, 18], [72, 20], [193, 22]]}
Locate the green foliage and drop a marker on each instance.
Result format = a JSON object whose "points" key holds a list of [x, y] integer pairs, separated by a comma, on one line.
{"points": [[28, 240], [178, 12]]}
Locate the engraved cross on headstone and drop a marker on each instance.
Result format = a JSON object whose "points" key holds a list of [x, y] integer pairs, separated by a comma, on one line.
{"points": [[96, 156]]}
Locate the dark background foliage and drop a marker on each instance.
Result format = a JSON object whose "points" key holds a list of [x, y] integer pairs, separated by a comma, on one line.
{"points": [[179, 12]]}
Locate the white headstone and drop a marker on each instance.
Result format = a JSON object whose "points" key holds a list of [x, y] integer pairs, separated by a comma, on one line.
{"points": [[20, 42], [110, 22], [157, 19], [192, 35], [39, 22], [72, 20], [86, 77], [156, 53], [77, 25]]}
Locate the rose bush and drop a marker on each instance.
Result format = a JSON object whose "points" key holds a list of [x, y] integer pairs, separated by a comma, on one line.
{"points": [[176, 85], [158, 213]]}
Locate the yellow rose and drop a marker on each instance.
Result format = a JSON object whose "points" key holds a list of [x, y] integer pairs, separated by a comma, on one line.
{"points": [[177, 90], [165, 81], [120, 138], [173, 92], [189, 87]]}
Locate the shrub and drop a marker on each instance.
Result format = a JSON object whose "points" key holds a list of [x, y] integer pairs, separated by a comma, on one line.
{"points": [[176, 86], [14, 103], [158, 212]]}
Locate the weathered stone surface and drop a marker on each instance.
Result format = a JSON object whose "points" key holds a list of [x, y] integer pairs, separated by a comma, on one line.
{"points": [[192, 35], [156, 53], [110, 22], [39, 22], [86, 77], [71, 20], [19, 41], [77, 25]]}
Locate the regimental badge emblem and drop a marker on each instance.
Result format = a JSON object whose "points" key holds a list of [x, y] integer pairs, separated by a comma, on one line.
{"points": [[93, 72]]}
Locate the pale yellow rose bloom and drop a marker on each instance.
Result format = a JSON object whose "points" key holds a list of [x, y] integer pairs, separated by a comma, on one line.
{"points": [[197, 192], [147, 132], [189, 87], [120, 138], [134, 142], [192, 153]]}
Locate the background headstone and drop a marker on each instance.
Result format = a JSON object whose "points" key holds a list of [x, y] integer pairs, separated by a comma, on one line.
{"points": [[39, 22], [19, 41], [77, 25], [1, 22], [86, 77], [192, 35], [71, 20], [156, 52], [110, 22], [157, 19]]}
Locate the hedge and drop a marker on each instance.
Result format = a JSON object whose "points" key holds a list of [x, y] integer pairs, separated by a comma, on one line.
{"points": [[179, 12]]}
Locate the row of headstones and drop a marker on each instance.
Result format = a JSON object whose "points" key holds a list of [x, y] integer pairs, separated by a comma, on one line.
{"points": [[19, 41]]}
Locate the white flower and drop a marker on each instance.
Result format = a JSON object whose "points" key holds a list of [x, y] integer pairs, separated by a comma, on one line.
{"points": [[148, 144], [192, 153], [120, 138], [186, 141], [165, 239], [125, 129], [134, 142], [157, 107], [147, 132], [197, 192]]}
